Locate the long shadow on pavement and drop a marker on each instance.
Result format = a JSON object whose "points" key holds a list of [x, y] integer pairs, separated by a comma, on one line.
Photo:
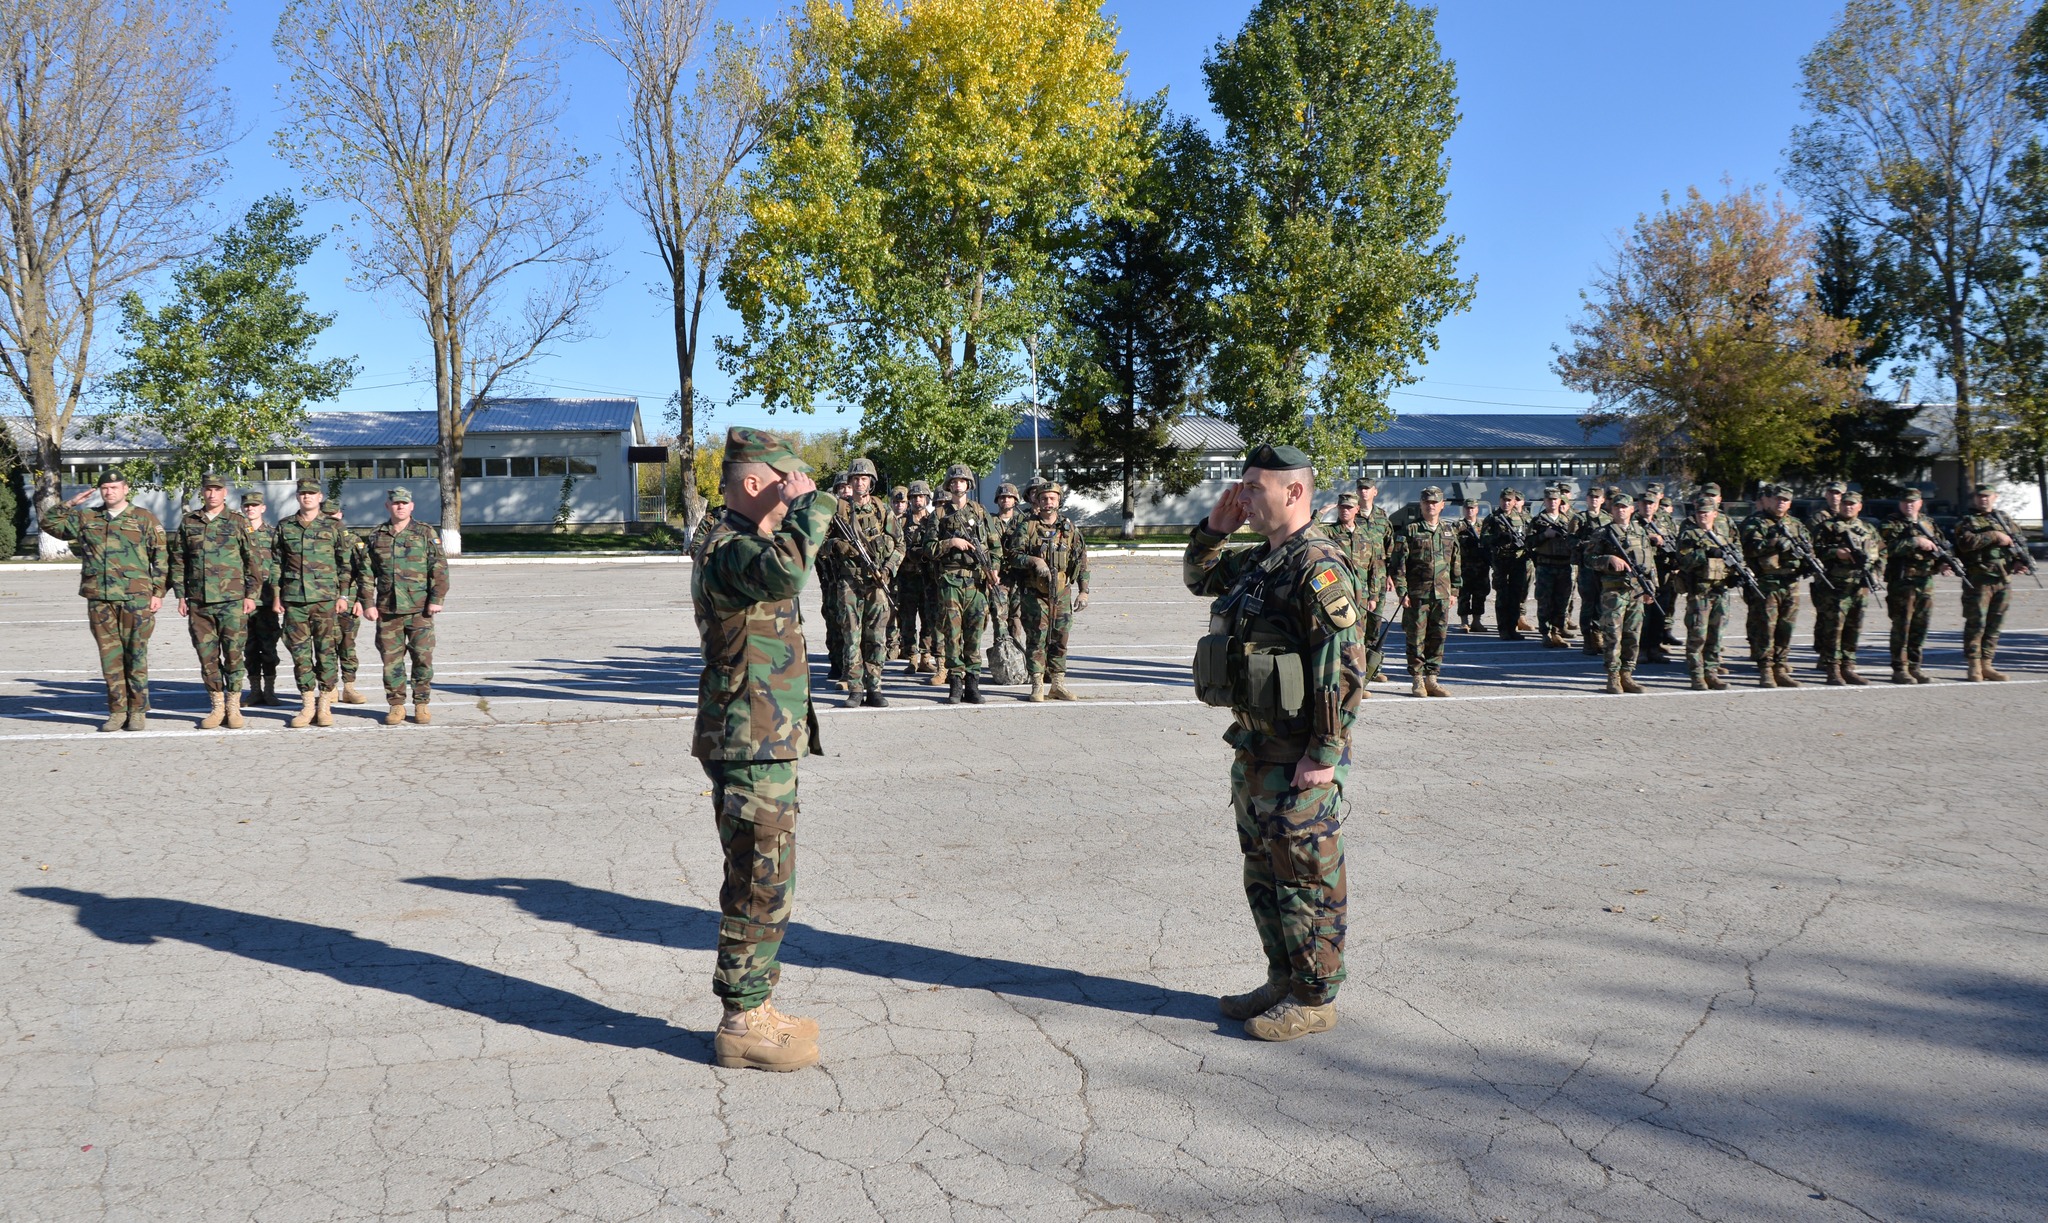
{"points": [[662, 924], [351, 959]]}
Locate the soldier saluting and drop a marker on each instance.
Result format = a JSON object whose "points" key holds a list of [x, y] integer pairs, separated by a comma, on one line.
{"points": [[1283, 653], [125, 571]]}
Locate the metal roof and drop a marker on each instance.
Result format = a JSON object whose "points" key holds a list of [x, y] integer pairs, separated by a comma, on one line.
{"points": [[1436, 432], [337, 430]]}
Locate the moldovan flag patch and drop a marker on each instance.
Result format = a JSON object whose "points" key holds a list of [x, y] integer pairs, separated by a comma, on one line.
{"points": [[1322, 581]]}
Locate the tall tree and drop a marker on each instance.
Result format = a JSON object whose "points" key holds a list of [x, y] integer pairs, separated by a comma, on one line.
{"points": [[906, 208], [1917, 117], [1856, 278], [224, 370], [436, 120], [110, 122], [1137, 310], [1335, 268], [1706, 341], [690, 126]]}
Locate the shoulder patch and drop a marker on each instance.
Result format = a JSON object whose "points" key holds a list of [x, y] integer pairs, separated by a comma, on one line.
{"points": [[1332, 591]]}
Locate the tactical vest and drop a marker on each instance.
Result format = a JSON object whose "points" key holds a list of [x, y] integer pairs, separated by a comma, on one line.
{"points": [[1556, 550], [1252, 659]]}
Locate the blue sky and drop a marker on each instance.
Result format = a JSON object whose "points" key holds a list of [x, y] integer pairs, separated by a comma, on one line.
{"points": [[1577, 116]]}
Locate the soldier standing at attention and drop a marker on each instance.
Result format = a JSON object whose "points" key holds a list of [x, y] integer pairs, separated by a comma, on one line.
{"points": [[1703, 571], [347, 622], [1653, 514], [1004, 611], [1507, 545], [405, 588], [1850, 550], [754, 723], [1284, 654], [124, 570], [1911, 541], [1427, 574], [1618, 546], [1830, 506], [1343, 529], [264, 628], [1769, 546], [1049, 573], [216, 576], [1477, 567], [828, 590], [863, 599], [1584, 529], [1376, 538], [1550, 540], [313, 560], [1993, 549], [960, 551], [913, 584]]}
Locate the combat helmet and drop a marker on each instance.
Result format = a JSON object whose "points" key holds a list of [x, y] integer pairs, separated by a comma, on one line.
{"points": [[959, 471], [862, 466], [1006, 489], [918, 488]]}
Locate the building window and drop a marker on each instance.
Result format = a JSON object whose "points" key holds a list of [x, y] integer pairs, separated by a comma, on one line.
{"points": [[523, 465], [472, 469], [495, 467], [581, 467], [275, 470], [420, 469], [553, 465]]}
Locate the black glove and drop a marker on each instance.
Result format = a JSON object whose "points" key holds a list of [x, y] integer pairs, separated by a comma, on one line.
{"points": [[1713, 553]]}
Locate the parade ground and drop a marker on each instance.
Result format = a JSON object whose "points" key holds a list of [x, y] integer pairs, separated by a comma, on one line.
{"points": [[1751, 955]]}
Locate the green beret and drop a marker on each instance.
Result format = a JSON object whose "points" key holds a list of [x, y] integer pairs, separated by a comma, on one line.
{"points": [[1276, 458], [1432, 493], [744, 445], [112, 475], [399, 496], [1347, 499], [309, 485], [213, 479], [249, 499]]}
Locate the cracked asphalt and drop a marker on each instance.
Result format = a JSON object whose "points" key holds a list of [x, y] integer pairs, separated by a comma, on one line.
{"points": [[1753, 955]]}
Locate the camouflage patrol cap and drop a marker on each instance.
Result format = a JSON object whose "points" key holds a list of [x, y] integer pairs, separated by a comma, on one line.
{"points": [[1350, 499], [1654, 488], [745, 445], [399, 496], [918, 488], [1773, 490], [1366, 482], [1006, 489], [1985, 490], [329, 505], [1710, 492], [309, 485], [213, 479], [1510, 492], [862, 466], [959, 471], [1835, 486], [1432, 493], [1911, 494], [1852, 497], [1616, 492], [1276, 458], [249, 499]]}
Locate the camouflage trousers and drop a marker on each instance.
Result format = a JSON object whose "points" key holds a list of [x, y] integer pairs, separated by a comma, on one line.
{"points": [[122, 634], [345, 626], [1589, 601], [1046, 625], [963, 614], [1910, 602], [403, 636], [1006, 611], [1423, 623], [309, 632], [220, 633], [1984, 615], [1771, 621], [828, 602], [1375, 583], [1706, 619], [913, 627], [754, 806], [1621, 627], [862, 621], [1838, 621], [1510, 591], [1472, 595], [264, 630], [1553, 597], [1293, 846]]}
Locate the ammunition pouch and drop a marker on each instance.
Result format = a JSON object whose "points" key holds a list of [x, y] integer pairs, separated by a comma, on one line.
{"points": [[1269, 684]]}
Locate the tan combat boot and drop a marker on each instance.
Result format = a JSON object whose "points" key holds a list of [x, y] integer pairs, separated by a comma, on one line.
{"points": [[1899, 675], [1919, 676], [1433, 688], [1784, 675], [1289, 1020], [1417, 689], [138, 718], [1764, 678], [1522, 624], [304, 717], [394, 715], [762, 1039], [214, 715], [349, 695], [1834, 673], [1699, 683], [421, 715], [1037, 688], [1984, 668], [1629, 684], [1243, 1006], [938, 679], [116, 715], [1058, 690], [1714, 682], [1613, 687], [233, 720], [323, 709], [1850, 677], [1974, 672]]}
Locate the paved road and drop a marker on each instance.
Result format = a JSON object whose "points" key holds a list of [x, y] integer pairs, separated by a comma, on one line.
{"points": [[1754, 955]]}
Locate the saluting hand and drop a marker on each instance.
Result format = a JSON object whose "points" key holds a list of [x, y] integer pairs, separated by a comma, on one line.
{"points": [[795, 485], [1231, 512], [80, 498]]}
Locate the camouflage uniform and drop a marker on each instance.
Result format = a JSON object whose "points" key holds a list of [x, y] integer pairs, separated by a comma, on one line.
{"points": [[1656, 624], [1621, 602], [1477, 567], [1427, 572], [1909, 589], [264, 626], [347, 623], [1816, 518], [1004, 611], [862, 599], [754, 717], [214, 567], [961, 581], [1584, 528], [1838, 612], [915, 624], [1369, 566], [1705, 577], [1767, 549], [1989, 567], [314, 561], [1550, 540], [1046, 599], [409, 572], [125, 563], [1297, 601], [1506, 535]]}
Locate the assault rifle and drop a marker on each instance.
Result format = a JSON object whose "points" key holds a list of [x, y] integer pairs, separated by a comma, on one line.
{"points": [[1646, 585], [2024, 561], [1731, 556], [843, 523], [1942, 554], [1803, 553]]}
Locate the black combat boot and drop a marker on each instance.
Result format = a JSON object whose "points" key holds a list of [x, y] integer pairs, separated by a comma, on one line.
{"points": [[953, 688], [974, 688]]}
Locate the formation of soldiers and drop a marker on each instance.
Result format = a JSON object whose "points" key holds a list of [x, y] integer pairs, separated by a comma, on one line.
{"points": [[242, 585], [1637, 567]]}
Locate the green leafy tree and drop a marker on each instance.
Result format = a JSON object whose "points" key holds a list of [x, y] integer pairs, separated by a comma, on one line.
{"points": [[1138, 323], [1334, 268], [13, 494], [224, 370], [906, 207]]}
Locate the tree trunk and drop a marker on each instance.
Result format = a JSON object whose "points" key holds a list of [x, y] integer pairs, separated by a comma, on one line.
{"points": [[1959, 373], [48, 493], [1130, 466], [448, 407], [686, 404]]}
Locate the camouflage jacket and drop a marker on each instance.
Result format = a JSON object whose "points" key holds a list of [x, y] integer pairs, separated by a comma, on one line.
{"points": [[914, 537], [877, 529], [215, 560], [1506, 533], [1767, 548], [1631, 542], [1299, 599], [315, 560], [1369, 562], [1905, 560], [407, 569], [264, 541], [1062, 549], [1987, 561], [1426, 561], [754, 690], [1700, 553], [125, 560], [953, 566], [1585, 525], [1004, 531], [1859, 537], [1550, 538], [1472, 554]]}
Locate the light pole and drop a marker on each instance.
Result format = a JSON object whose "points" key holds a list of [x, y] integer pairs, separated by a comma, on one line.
{"points": [[1031, 346]]}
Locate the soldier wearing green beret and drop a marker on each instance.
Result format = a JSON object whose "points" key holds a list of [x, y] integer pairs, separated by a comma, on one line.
{"points": [[1993, 549], [754, 723], [404, 587], [1428, 570], [216, 575], [124, 571], [265, 629], [1284, 654], [1771, 542], [314, 561], [347, 623]]}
